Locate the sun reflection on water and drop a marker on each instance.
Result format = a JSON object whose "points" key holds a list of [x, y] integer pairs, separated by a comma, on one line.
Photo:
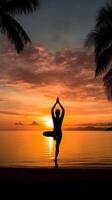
{"points": [[50, 144]]}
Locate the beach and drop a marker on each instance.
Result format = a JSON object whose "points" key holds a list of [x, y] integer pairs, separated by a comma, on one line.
{"points": [[62, 181], [84, 167]]}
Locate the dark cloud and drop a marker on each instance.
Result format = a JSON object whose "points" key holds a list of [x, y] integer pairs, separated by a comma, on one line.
{"points": [[34, 123], [37, 67], [4, 112], [101, 124], [9, 113], [2, 99], [19, 124], [90, 126], [37, 79]]}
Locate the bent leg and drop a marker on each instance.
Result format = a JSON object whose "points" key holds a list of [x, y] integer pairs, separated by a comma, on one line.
{"points": [[48, 134]]}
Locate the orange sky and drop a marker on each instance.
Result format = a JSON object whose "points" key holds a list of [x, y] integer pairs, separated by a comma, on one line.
{"points": [[30, 83]]}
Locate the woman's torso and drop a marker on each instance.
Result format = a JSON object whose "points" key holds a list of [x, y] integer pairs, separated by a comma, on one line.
{"points": [[57, 125]]}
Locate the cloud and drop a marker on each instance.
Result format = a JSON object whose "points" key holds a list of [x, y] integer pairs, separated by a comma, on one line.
{"points": [[2, 99], [10, 113], [34, 123], [36, 68], [27, 114], [19, 124], [31, 81], [101, 124], [90, 126]]}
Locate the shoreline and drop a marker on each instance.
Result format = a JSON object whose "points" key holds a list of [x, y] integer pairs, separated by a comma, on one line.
{"points": [[23, 174], [64, 181]]}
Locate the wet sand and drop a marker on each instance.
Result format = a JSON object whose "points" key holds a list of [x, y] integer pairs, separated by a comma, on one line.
{"points": [[49, 181]]}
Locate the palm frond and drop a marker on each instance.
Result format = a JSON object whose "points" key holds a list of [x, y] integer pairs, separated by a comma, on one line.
{"points": [[13, 7], [108, 84], [90, 40], [105, 16], [103, 49], [14, 31], [101, 39], [103, 60]]}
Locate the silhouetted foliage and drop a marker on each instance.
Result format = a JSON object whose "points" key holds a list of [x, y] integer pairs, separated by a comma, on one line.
{"points": [[108, 84], [9, 26], [101, 39]]}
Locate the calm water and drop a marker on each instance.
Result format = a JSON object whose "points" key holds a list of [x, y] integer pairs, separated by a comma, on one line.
{"points": [[77, 149]]}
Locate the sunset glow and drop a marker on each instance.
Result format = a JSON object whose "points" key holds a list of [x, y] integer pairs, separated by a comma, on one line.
{"points": [[56, 64], [28, 93], [48, 121]]}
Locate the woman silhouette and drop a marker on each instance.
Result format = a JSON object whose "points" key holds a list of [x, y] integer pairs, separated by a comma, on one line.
{"points": [[57, 122]]}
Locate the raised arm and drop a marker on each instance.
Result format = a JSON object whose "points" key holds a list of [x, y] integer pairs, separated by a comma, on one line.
{"points": [[52, 110], [63, 110]]}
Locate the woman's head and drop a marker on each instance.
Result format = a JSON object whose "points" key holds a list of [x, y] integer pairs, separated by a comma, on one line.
{"points": [[57, 112]]}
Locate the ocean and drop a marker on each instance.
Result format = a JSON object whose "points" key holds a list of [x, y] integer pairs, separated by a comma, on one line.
{"points": [[78, 149]]}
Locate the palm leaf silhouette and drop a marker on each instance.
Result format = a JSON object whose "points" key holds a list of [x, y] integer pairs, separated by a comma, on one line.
{"points": [[101, 39], [14, 32], [108, 84], [13, 7], [9, 26]]}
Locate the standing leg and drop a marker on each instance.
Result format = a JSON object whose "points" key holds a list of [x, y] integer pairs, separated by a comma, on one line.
{"points": [[57, 147]]}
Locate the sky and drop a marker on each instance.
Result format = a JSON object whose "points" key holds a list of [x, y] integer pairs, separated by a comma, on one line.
{"points": [[54, 64]]}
